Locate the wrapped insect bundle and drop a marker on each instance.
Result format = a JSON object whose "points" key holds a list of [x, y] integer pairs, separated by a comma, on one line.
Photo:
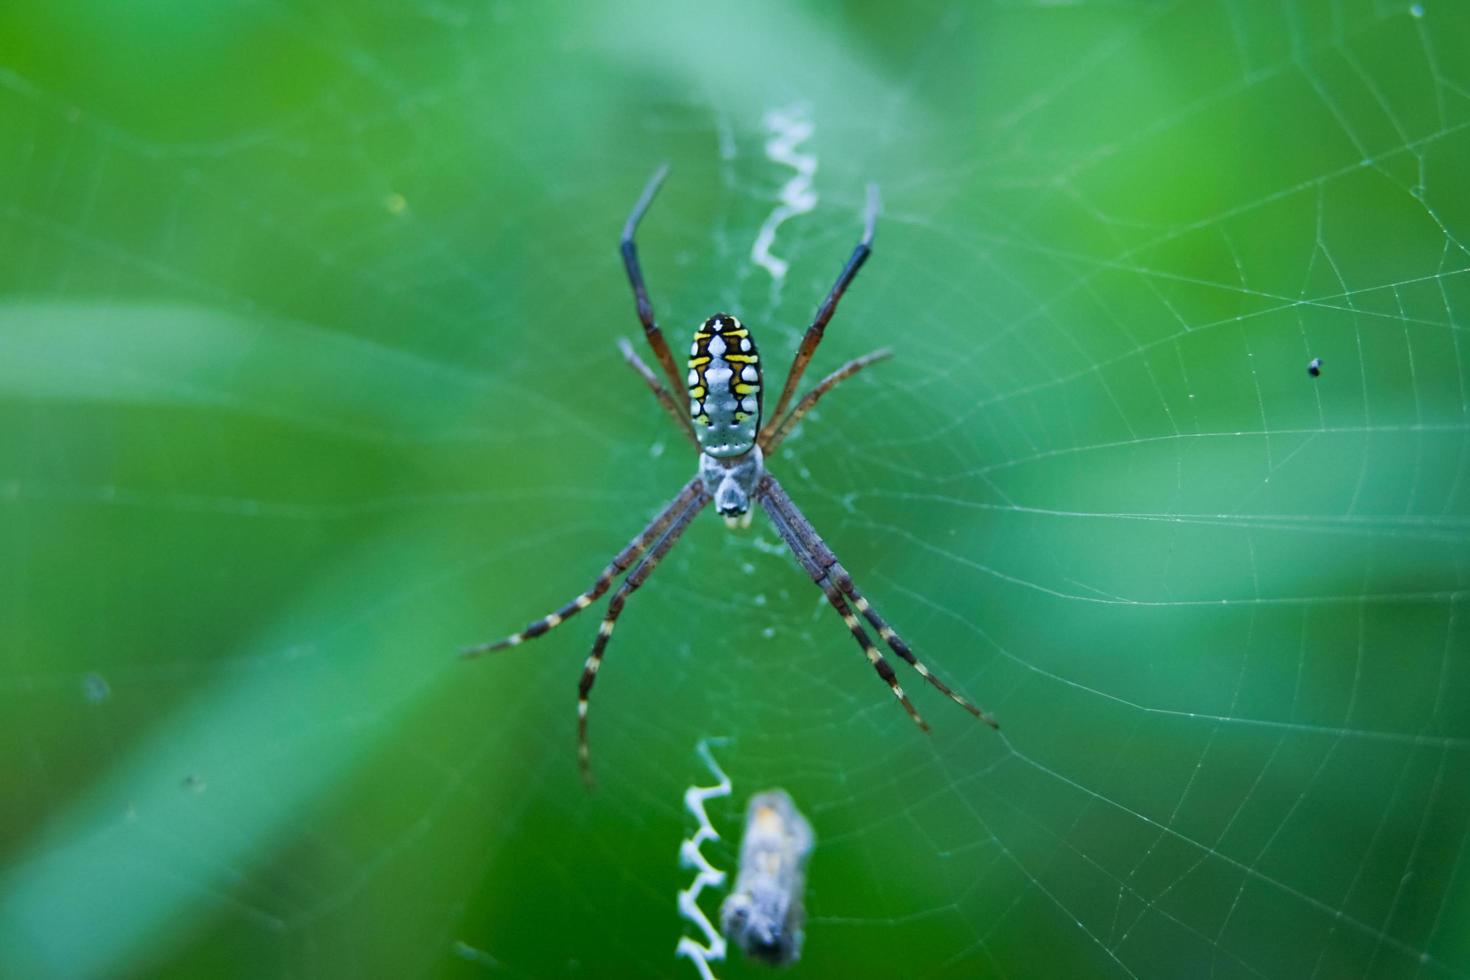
{"points": [[764, 914]]}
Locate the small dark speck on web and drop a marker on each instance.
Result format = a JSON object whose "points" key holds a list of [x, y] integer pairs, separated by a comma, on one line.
{"points": [[1314, 367]]}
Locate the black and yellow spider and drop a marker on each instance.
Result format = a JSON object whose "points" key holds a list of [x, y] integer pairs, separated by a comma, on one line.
{"points": [[724, 424]]}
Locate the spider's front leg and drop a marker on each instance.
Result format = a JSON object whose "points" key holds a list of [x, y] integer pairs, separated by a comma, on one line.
{"points": [[813, 335], [629, 249]]}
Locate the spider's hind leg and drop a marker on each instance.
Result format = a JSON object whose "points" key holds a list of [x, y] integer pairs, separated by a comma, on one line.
{"points": [[785, 513], [897, 645], [882, 666], [780, 520], [636, 577], [620, 563]]}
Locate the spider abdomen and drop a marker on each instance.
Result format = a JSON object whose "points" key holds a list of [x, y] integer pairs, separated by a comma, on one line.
{"points": [[724, 387]]}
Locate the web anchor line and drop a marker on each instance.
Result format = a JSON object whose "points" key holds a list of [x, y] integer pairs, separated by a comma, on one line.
{"points": [[706, 874]]}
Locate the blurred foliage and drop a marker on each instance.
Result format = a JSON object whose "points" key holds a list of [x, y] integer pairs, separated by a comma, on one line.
{"points": [[307, 379]]}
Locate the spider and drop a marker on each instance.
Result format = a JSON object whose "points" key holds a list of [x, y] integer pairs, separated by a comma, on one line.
{"points": [[723, 422]]}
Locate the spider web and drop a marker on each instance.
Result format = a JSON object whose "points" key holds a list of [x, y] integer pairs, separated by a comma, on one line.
{"points": [[307, 366]]}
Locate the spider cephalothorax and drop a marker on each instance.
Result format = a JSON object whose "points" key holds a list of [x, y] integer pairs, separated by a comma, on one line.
{"points": [[723, 421], [731, 483]]}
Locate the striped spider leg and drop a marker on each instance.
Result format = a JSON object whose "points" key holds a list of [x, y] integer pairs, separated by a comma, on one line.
{"points": [[794, 540], [635, 578], [629, 251], [725, 410], [621, 563], [827, 572], [814, 333], [631, 358], [773, 435], [662, 532]]}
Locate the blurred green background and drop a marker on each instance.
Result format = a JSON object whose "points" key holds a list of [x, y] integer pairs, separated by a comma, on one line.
{"points": [[308, 379]]}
